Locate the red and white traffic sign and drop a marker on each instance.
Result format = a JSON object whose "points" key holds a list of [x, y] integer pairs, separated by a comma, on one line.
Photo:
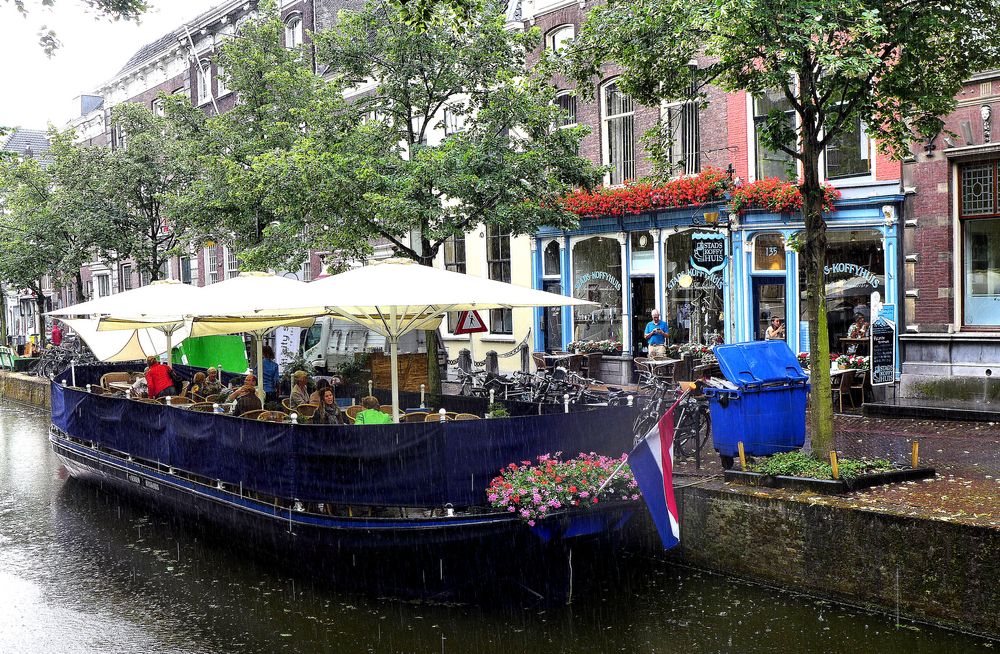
{"points": [[470, 322]]}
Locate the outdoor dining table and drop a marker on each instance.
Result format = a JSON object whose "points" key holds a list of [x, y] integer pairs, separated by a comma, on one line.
{"points": [[120, 386]]}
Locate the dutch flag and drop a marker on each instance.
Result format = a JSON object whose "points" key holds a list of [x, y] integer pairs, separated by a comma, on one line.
{"points": [[652, 463]]}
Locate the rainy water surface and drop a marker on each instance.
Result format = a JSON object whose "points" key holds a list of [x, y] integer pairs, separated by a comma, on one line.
{"points": [[83, 570]]}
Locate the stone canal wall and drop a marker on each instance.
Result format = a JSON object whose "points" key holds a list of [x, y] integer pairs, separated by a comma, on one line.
{"points": [[929, 570], [26, 389]]}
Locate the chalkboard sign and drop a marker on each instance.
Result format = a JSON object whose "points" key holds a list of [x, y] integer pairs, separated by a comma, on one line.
{"points": [[883, 352], [709, 251]]}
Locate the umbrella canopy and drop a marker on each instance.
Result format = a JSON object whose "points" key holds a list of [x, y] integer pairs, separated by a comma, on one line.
{"points": [[160, 306], [396, 296], [122, 345]]}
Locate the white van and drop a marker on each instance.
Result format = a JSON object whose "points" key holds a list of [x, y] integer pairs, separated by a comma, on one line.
{"points": [[332, 341]]}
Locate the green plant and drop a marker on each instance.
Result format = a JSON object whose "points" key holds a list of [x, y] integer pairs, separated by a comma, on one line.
{"points": [[354, 372], [498, 410], [800, 464]]}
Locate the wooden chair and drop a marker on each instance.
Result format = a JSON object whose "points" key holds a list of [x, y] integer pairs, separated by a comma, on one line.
{"points": [[202, 407], [306, 411], [843, 388], [646, 376], [352, 411], [196, 398], [286, 402], [100, 390], [147, 400], [270, 416], [386, 409], [213, 398], [540, 363], [434, 417], [859, 386], [109, 377], [466, 416], [574, 363], [592, 364], [416, 416], [255, 414], [177, 400]]}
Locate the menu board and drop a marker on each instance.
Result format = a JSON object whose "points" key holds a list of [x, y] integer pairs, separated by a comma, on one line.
{"points": [[883, 352]]}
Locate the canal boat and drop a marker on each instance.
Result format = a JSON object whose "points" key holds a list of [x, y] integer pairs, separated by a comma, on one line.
{"points": [[389, 488]]}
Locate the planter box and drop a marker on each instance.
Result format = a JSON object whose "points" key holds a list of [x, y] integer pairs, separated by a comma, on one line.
{"points": [[828, 486], [615, 370]]}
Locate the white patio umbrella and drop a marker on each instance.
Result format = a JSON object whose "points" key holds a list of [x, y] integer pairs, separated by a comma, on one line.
{"points": [[122, 344], [396, 296], [158, 306], [239, 305]]}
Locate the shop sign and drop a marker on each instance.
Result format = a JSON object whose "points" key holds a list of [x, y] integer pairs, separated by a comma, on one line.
{"points": [[851, 269], [709, 253], [598, 275], [883, 352], [679, 279]]}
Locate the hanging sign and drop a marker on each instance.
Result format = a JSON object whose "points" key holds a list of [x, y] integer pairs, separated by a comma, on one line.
{"points": [[883, 352], [470, 322], [709, 254]]}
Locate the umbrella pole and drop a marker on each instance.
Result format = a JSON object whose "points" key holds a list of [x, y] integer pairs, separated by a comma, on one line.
{"points": [[170, 349], [394, 373], [259, 339]]}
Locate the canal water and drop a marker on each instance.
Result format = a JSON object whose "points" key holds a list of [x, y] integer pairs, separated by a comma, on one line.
{"points": [[84, 570]]}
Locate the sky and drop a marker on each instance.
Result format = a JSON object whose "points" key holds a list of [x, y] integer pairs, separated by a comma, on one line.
{"points": [[36, 90]]}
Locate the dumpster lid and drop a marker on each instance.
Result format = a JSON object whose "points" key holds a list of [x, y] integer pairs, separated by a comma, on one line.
{"points": [[759, 362]]}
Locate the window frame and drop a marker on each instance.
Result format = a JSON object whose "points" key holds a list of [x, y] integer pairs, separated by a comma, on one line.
{"points": [[870, 158], [574, 112], [781, 251], [213, 265], [964, 220], [203, 88], [232, 264], [552, 34], [126, 275], [456, 264], [757, 119], [294, 34], [103, 280], [501, 320], [618, 174]]}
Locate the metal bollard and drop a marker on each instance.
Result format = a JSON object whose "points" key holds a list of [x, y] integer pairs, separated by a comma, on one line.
{"points": [[631, 400], [294, 418], [88, 389], [370, 383], [493, 393], [566, 402], [169, 400], [442, 413], [64, 383], [72, 371], [422, 388]]}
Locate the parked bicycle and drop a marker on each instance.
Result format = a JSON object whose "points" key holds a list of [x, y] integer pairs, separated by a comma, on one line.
{"points": [[53, 360]]}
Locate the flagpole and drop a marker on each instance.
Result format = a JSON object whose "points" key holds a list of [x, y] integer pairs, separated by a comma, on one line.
{"points": [[612, 475]]}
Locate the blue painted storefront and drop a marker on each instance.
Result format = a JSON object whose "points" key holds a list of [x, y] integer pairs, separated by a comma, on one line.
{"points": [[873, 218]]}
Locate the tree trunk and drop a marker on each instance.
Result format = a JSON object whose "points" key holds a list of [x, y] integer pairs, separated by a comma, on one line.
{"points": [[813, 257], [430, 335], [40, 309], [79, 286]]}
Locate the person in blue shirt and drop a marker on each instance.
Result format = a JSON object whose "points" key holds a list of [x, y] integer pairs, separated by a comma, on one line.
{"points": [[270, 375], [656, 335]]}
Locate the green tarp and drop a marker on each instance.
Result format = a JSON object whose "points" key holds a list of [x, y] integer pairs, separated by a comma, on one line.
{"points": [[207, 351]]}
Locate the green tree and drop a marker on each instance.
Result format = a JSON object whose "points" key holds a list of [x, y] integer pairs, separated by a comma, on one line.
{"points": [[113, 9], [895, 65], [131, 194]]}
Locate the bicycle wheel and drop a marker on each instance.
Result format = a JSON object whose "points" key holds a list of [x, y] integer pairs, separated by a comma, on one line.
{"points": [[691, 431]]}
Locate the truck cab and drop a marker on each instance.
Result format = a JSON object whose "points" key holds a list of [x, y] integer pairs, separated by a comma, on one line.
{"points": [[332, 341]]}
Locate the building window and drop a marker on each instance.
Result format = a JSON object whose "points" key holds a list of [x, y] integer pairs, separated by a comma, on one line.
{"points": [[220, 80], [185, 269], [498, 262], [558, 38], [157, 106], [849, 153], [684, 139], [126, 277], [145, 278], [769, 253], [293, 32], [103, 285], [854, 269], [980, 210], [597, 278], [566, 102], [452, 121], [213, 265], [552, 260], [204, 81], [643, 253], [454, 260], [694, 301], [232, 264], [118, 138], [619, 133], [772, 163]]}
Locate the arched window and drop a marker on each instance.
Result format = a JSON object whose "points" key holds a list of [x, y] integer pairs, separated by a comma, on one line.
{"points": [[618, 122], [566, 101], [558, 38], [597, 278], [551, 260], [293, 32], [204, 80]]}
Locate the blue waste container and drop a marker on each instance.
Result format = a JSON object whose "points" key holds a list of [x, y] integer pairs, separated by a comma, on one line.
{"points": [[767, 409]]}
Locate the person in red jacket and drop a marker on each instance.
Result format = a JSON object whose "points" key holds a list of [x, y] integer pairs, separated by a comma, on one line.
{"points": [[158, 379]]}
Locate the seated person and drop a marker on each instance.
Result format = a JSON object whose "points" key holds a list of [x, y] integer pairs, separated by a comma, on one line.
{"points": [[158, 379], [859, 328], [139, 386], [246, 397], [371, 415], [328, 412], [300, 388], [212, 385], [197, 383], [776, 332], [316, 396]]}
